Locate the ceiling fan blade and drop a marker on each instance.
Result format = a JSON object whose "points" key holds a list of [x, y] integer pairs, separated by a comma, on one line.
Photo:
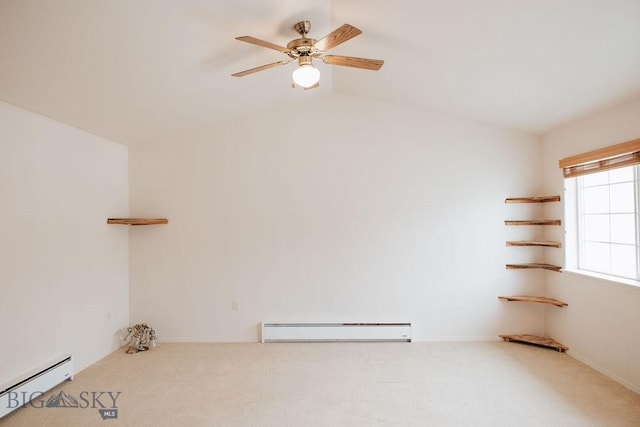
{"points": [[262, 67], [350, 61], [263, 43], [337, 36]]}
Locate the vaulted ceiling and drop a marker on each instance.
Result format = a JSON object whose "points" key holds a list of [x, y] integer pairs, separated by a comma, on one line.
{"points": [[131, 70]]}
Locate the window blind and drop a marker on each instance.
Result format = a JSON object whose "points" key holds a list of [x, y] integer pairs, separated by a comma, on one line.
{"points": [[615, 156]]}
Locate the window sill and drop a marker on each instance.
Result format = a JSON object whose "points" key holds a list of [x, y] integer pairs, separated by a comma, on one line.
{"points": [[633, 285]]}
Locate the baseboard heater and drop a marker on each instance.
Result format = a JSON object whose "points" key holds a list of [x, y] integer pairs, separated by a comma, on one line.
{"points": [[34, 383], [331, 332]]}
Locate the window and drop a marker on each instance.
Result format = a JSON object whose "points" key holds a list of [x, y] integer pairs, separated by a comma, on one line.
{"points": [[607, 218], [602, 202]]}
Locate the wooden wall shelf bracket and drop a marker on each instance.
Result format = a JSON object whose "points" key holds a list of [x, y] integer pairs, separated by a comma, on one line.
{"points": [[537, 199], [527, 298], [137, 221], [533, 339], [533, 222], [534, 265], [544, 243]]}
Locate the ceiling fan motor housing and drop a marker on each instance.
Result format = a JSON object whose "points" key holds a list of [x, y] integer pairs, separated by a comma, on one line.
{"points": [[302, 47]]}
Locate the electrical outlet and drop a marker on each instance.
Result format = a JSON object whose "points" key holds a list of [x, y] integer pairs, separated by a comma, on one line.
{"points": [[234, 305]]}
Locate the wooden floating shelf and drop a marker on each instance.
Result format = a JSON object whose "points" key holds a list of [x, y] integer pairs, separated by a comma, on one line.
{"points": [[534, 265], [538, 199], [533, 339], [542, 300], [544, 243], [533, 222], [137, 221]]}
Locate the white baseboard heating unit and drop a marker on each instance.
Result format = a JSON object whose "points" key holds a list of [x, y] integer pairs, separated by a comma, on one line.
{"points": [[33, 384], [331, 332]]}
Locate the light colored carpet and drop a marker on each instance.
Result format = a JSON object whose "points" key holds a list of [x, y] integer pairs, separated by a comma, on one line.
{"points": [[344, 384]]}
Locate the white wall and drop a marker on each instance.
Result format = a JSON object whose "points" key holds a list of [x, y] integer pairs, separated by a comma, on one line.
{"points": [[602, 323], [62, 268], [338, 209]]}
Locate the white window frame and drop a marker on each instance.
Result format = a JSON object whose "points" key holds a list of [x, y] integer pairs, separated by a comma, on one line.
{"points": [[617, 156], [582, 240]]}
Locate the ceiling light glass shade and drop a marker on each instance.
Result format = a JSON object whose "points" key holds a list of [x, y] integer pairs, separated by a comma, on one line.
{"points": [[306, 75]]}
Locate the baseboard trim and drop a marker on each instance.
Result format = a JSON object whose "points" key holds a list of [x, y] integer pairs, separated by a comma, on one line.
{"points": [[458, 339], [605, 372], [414, 339], [200, 340]]}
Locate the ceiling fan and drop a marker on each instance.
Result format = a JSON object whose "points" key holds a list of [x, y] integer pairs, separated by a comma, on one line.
{"points": [[305, 50]]}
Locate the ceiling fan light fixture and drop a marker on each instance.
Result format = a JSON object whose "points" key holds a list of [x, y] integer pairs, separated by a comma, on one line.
{"points": [[306, 75]]}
